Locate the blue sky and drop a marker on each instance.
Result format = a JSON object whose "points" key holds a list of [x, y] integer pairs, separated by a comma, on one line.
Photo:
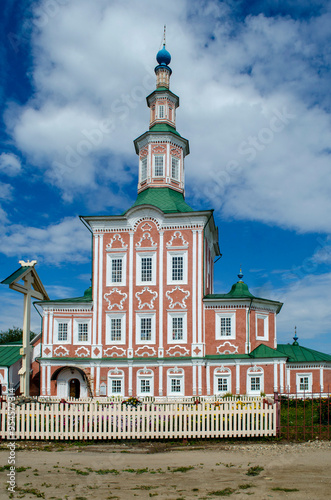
{"points": [[254, 84]]}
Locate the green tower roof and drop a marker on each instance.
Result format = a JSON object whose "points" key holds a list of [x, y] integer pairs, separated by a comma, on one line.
{"points": [[166, 199]]}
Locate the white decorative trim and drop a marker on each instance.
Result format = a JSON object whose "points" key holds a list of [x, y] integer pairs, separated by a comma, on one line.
{"points": [[177, 235], [120, 304], [172, 301], [96, 351], [222, 370], [255, 369], [197, 350], [149, 304], [117, 237], [47, 351], [114, 351], [82, 352], [177, 349], [160, 352], [175, 371], [65, 351], [146, 237], [226, 346], [145, 350]]}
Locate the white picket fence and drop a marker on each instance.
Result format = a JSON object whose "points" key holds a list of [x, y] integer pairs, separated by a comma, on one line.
{"points": [[91, 420]]}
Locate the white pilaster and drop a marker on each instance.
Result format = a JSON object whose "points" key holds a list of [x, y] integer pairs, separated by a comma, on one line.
{"points": [[281, 377], [48, 380], [276, 365], [130, 379], [131, 277], [161, 260], [50, 331], [92, 382], [160, 380], [97, 380], [275, 329], [45, 337], [199, 286], [208, 378], [95, 287], [194, 287], [288, 380], [238, 377], [194, 379], [199, 379], [321, 379], [100, 283], [43, 380]]}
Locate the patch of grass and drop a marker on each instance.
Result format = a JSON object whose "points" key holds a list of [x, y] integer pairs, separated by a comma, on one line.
{"points": [[222, 493], [287, 490], [245, 486], [4, 467], [80, 472], [31, 491], [182, 469], [254, 471], [144, 487]]}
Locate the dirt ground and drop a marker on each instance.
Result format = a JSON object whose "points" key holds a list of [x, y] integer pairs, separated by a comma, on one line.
{"points": [[178, 470]]}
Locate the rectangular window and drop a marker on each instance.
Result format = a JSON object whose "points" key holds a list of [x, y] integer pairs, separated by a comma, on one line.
{"points": [[116, 270], [177, 328], [175, 168], [145, 386], [161, 111], [255, 383], [116, 329], [145, 328], [116, 386], [146, 269], [304, 383], [144, 169], [62, 332], [176, 385], [83, 332], [222, 384], [158, 166], [177, 268], [225, 327]]}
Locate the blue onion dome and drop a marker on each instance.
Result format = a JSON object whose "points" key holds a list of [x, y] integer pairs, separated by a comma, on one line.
{"points": [[163, 57]]}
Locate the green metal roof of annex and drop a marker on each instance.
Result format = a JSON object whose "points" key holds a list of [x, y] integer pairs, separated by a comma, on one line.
{"points": [[296, 353], [10, 353], [166, 199], [87, 297]]}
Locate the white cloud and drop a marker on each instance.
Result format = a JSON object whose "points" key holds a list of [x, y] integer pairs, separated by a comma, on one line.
{"points": [[65, 242], [12, 311], [306, 306], [10, 164], [94, 62]]}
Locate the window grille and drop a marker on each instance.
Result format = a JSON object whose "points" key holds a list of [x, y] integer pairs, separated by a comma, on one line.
{"points": [[222, 384], [146, 269], [175, 168], [144, 169], [225, 327], [116, 270], [62, 334], [177, 328], [145, 328], [176, 385], [255, 383], [158, 166], [116, 385], [82, 332], [145, 386], [115, 329], [177, 268]]}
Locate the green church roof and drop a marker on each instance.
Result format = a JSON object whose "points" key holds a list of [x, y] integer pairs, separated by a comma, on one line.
{"points": [[297, 353], [264, 351], [87, 297], [166, 199], [9, 354], [164, 127]]}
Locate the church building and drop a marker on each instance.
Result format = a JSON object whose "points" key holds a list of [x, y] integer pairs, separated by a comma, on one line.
{"points": [[151, 324]]}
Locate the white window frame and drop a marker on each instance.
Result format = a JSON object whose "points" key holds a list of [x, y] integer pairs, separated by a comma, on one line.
{"points": [[154, 161], [265, 318], [174, 376], [170, 255], [110, 258], [140, 255], [150, 378], [224, 375], [143, 165], [177, 168], [115, 376], [57, 321], [177, 314], [254, 374], [77, 321], [139, 317], [310, 382], [109, 317], [218, 317]]}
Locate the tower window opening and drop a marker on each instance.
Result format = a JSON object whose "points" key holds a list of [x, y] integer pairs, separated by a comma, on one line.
{"points": [[158, 166], [175, 168], [161, 111], [144, 169]]}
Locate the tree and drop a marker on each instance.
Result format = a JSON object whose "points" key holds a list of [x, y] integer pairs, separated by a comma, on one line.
{"points": [[14, 334]]}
